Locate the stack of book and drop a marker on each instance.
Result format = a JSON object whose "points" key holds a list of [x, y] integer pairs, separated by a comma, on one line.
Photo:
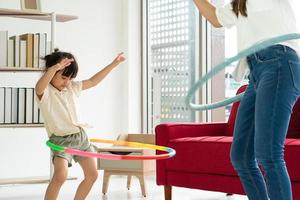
{"points": [[19, 106], [24, 51]]}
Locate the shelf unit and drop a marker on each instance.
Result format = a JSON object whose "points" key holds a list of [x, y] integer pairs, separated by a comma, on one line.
{"points": [[33, 15]]}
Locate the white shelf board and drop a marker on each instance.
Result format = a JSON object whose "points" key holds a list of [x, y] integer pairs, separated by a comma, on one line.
{"points": [[21, 125], [22, 69], [29, 180], [35, 15]]}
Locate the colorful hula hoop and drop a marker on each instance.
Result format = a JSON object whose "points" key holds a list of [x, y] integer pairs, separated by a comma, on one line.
{"points": [[170, 152], [254, 48]]}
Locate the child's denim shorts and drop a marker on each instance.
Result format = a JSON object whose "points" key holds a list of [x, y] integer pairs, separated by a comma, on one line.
{"points": [[77, 141]]}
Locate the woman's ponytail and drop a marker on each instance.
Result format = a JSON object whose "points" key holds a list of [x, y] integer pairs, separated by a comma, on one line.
{"points": [[239, 7]]}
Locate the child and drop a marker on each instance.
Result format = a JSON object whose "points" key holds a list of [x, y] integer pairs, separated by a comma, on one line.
{"points": [[56, 92]]}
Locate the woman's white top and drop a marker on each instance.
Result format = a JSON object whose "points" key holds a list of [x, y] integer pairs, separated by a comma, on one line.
{"points": [[266, 19], [59, 109]]}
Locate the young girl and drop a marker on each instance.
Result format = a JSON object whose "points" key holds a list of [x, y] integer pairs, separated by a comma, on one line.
{"points": [[56, 92], [274, 86]]}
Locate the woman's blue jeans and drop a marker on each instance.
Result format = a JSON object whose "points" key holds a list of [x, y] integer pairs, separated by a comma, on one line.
{"points": [[262, 122]]}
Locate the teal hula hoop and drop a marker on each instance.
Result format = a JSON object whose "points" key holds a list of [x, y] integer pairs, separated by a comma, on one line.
{"points": [[251, 50]]}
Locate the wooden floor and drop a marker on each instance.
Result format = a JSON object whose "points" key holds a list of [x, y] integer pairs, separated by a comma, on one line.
{"points": [[116, 191]]}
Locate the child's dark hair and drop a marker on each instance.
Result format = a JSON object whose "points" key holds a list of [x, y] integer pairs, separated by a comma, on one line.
{"points": [[56, 57]]}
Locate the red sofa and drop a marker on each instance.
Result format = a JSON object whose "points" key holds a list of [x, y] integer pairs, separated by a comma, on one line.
{"points": [[202, 159]]}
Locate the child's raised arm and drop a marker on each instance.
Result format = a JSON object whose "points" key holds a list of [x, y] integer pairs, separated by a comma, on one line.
{"points": [[47, 77], [208, 11], [98, 77]]}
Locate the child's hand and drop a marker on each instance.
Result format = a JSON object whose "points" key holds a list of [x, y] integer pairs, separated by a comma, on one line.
{"points": [[120, 58], [63, 64]]}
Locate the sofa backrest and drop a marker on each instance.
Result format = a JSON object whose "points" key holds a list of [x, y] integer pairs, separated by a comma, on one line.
{"points": [[233, 112], [294, 126]]}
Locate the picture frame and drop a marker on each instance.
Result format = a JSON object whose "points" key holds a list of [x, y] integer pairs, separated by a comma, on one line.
{"points": [[31, 5]]}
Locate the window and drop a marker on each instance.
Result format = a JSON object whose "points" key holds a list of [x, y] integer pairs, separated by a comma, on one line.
{"points": [[173, 36], [223, 45], [171, 59]]}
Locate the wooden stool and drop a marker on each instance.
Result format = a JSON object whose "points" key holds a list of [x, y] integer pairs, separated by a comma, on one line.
{"points": [[138, 168]]}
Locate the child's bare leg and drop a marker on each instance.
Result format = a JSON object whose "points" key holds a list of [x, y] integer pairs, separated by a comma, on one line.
{"points": [[59, 177], [89, 168]]}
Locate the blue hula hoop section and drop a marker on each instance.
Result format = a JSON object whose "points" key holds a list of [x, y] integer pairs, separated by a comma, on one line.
{"points": [[251, 50]]}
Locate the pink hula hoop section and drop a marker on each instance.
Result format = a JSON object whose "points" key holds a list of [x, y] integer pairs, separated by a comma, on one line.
{"points": [[170, 152]]}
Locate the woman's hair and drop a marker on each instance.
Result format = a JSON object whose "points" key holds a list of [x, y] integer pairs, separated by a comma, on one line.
{"points": [[56, 57], [239, 7]]}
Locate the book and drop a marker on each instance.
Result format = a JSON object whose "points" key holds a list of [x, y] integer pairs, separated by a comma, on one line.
{"points": [[42, 49], [35, 109], [16, 40], [2, 106], [28, 37], [35, 50], [41, 118], [7, 105], [21, 105], [22, 53], [10, 53], [29, 106], [3, 48], [14, 105]]}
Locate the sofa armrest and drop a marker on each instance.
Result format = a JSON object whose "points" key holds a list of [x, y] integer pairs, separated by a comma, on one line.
{"points": [[166, 132]]}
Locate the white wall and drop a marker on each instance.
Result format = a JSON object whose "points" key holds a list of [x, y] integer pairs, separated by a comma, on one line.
{"points": [[101, 32]]}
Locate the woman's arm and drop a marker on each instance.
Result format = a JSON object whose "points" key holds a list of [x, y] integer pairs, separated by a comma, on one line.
{"points": [[47, 77], [98, 77], [208, 11]]}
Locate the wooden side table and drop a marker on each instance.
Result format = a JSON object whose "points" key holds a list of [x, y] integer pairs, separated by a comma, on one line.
{"points": [[138, 168]]}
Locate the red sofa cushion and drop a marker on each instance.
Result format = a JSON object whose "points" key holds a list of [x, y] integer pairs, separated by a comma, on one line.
{"points": [[207, 155], [292, 158], [211, 155]]}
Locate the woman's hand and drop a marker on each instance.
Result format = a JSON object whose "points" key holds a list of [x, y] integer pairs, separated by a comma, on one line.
{"points": [[208, 11]]}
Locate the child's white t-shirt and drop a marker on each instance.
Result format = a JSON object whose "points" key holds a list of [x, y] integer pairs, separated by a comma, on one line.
{"points": [[266, 19], [59, 109]]}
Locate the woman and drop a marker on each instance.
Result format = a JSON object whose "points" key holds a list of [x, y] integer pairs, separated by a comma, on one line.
{"points": [[274, 86]]}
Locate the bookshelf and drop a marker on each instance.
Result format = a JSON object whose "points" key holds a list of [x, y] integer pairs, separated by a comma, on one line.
{"points": [[33, 15], [42, 16]]}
